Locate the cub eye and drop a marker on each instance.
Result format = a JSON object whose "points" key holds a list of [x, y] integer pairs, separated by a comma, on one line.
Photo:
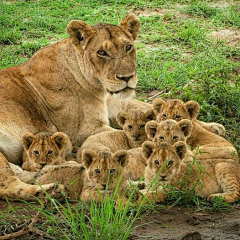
{"points": [[128, 47], [102, 53], [177, 117], [49, 152], [161, 138], [36, 152], [130, 126], [97, 171], [170, 163], [175, 137], [164, 115], [112, 170], [156, 162], [142, 126]]}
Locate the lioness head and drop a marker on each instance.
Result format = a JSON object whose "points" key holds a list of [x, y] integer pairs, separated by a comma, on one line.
{"points": [[169, 131], [103, 169], [175, 109], [133, 123], [108, 54], [44, 148], [164, 159]]}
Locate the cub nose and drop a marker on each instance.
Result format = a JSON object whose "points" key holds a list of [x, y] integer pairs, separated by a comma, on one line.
{"points": [[163, 177], [104, 186], [42, 164], [136, 136], [125, 78]]}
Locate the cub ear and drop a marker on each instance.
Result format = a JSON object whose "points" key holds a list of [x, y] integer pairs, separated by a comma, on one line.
{"points": [[122, 116], [88, 156], [27, 140], [192, 108], [150, 115], [157, 104], [131, 24], [122, 157], [151, 129], [186, 127], [60, 139], [79, 31], [148, 148], [181, 149]]}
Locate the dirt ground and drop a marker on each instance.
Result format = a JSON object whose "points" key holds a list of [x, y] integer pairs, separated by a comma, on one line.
{"points": [[180, 223]]}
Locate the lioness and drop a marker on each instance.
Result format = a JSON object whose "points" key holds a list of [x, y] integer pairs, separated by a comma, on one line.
{"points": [[173, 164], [73, 86], [99, 174], [132, 136], [45, 148], [211, 144]]}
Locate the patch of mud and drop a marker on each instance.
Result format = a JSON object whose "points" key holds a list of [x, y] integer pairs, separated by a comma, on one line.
{"points": [[231, 36], [182, 223]]}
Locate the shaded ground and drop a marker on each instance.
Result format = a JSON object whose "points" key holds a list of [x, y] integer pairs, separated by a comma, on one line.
{"points": [[184, 223]]}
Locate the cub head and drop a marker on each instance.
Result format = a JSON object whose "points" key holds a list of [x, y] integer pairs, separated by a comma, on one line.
{"points": [[104, 168], [44, 148], [175, 109], [164, 160], [108, 54], [169, 131], [133, 123]]}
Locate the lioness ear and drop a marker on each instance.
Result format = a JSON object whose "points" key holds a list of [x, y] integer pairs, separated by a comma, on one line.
{"points": [[148, 148], [87, 157], [122, 117], [131, 24], [60, 139], [151, 129], [192, 108], [79, 31], [27, 140], [186, 127], [122, 157], [150, 115], [181, 149], [157, 105]]}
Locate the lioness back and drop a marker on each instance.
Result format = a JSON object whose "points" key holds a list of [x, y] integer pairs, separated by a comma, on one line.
{"points": [[45, 148]]}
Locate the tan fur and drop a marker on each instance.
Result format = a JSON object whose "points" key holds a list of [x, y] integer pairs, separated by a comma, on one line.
{"points": [[45, 148], [132, 135], [211, 144], [71, 86], [169, 131], [84, 181], [220, 177]]}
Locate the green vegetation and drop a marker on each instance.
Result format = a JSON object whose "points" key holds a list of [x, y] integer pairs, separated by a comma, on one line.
{"points": [[178, 57]]}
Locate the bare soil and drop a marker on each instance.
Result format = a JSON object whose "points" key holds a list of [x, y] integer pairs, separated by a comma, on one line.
{"points": [[185, 223]]}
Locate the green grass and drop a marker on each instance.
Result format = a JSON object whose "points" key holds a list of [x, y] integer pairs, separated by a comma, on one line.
{"points": [[176, 55]]}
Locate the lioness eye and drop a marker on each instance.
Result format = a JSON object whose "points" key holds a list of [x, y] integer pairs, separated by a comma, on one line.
{"points": [[49, 152], [36, 152], [175, 137], [156, 162], [170, 163], [128, 47], [97, 171], [112, 170], [164, 115], [142, 126], [102, 53], [130, 126], [162, 138]]}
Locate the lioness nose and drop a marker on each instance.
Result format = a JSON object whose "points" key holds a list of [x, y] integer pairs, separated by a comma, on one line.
{"points": [[124, 78]]}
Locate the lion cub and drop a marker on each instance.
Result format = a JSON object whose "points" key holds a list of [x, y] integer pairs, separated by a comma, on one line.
{"points": [[97, 176], [132, 135], [209, 142], [45, 148], [171, 163]]}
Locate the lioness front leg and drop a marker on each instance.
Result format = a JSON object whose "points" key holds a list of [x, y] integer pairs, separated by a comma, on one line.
{"points": [[214, 127], [13, 188]]}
